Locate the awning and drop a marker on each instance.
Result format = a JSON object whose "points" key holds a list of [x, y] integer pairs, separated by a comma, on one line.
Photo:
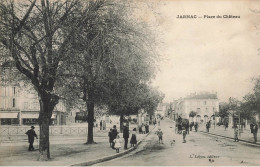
{"points": [[34, 116], [9, 115]]}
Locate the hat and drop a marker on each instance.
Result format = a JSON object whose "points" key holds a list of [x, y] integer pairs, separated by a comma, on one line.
{"points": [[32, 127]]}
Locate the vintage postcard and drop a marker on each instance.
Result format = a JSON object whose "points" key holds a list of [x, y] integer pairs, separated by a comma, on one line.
{"points": [[129, 83]]}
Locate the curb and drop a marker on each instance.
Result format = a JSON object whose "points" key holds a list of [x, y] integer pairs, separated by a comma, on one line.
{"points": [[107, 158], [231, 138]]}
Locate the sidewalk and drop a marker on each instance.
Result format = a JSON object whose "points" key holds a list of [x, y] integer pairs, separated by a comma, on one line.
{"points": [[246, 135], [65, 151]]}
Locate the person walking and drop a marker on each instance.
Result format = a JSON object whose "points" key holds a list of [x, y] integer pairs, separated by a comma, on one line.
{"points": [[196, 126], [117, 142], [114, 135], [184, 133], [133, 140], [207, 126], [187, 127], [31, 134], [125, 136], [236, 131], [255, 130], [160, 135], [110, 137]]}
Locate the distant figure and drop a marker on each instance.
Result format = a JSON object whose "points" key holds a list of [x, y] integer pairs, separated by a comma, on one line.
{"points": [[133, 140], [117, 142], [236, 133], [146, 128], [100, 124], [31, 134], [125, 136], [187, 127], [196, 126], [226, 125], [184, 133], [207, 126], [160, 135], [114, 135], [110, 137], [191, 125], [255, 130], [104, 125], [143, 129]]}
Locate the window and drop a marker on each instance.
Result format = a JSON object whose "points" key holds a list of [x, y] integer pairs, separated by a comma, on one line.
{"points": [[205, 102], [13, 91], [13, 102]]}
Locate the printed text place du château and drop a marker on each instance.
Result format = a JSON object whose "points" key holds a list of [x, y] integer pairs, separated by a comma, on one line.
{"points": [[207, 16]]}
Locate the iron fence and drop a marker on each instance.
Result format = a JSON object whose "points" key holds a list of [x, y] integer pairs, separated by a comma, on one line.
{"points": [[53, 130]]}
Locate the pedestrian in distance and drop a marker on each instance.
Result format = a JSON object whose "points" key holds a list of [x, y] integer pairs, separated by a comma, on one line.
{"points": [[196, 126], [140, 129], [255, 130], [133, 140], [31, 134], [114, 135], [207, 126], [187, 127], [226, 125], [184, 133], [160, 135], [125, 136], [146, 128], [100, 124], [236, 131], [110, 137], [191, 125], [143, 129]]}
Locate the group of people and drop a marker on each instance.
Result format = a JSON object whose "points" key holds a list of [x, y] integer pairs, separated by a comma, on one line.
{"points": [[144, 128], [115, 140]]}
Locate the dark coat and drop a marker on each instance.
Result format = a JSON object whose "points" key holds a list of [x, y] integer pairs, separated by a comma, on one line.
{"points": [[125, 133], [31, 134], [114, 134]]}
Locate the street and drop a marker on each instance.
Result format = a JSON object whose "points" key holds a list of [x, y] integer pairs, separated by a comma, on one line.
{"points": [[199, 150]]}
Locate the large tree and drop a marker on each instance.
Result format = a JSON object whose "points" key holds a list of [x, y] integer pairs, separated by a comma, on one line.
{"points": [[112, 58], [32, 37]]}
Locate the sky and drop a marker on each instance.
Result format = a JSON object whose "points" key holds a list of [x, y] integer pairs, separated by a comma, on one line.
{"points": [[214, 54]]}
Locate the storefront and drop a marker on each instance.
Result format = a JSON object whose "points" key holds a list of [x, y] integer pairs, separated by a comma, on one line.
{"points": [[9, 118], [31, 118]]}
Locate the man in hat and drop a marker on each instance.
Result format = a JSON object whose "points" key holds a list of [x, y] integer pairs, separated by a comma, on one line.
{"points": [[31, 134], [114, 135]]}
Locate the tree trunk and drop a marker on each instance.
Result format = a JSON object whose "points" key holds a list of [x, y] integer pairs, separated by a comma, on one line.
{"points": [[90, 109], [44, 121], [47, 104], [44, 147]]}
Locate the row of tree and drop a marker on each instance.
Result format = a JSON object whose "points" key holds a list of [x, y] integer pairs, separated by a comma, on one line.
{"points": [[247, 108], [94, 52]]}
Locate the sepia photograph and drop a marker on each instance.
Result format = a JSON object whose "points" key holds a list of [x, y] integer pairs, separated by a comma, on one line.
{"points": [[129, 83]]}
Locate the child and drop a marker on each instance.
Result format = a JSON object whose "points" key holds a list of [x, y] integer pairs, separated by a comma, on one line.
{"points": [[184, 133], [110, 137], [133, 140], [117, 142], [160, 134]]}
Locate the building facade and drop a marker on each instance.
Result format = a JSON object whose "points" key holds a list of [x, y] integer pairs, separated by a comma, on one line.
{"points": [[20, 106], [205, 105]]}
